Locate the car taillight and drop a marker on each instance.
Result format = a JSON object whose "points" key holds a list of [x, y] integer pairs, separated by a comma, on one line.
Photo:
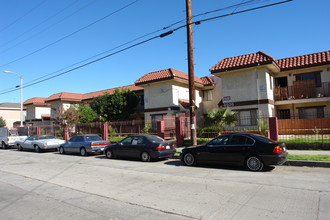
{"points": [[100, 144], [160, 147], [277, 150], [173, 146]]}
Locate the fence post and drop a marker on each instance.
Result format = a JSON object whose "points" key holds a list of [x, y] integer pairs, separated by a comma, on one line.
{"points": [[66, 133], [179, 131], [38, 130], [161, 128], [273, 128], [105, 131]]}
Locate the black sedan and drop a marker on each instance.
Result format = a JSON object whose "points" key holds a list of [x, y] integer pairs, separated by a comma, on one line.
{"points": [[250, 150], [144, 147]]}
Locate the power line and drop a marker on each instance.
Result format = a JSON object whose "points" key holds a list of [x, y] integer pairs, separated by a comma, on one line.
{"points": [[37, 25], [20, 18], [69, 35], [145, 41]]}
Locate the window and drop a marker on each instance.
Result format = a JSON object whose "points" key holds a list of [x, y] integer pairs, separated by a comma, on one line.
{"points": [[306, 76], [207, 95], [241, 140], [221, 140], [93, 138], [127, 140], [247, 117], [312, 112], [281, 82], [283, 114]]}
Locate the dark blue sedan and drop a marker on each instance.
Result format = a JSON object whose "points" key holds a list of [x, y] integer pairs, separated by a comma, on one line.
{"points": [[250, 150], [144, 147]]}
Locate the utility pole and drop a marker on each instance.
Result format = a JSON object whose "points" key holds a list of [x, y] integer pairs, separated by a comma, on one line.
{"points": [[192, 106]]}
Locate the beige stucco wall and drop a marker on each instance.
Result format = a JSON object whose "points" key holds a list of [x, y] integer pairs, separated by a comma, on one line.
{"points": [[10, 115]]}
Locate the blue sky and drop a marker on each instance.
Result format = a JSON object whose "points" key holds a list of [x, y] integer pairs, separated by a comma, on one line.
{"points": [[42, 37]]}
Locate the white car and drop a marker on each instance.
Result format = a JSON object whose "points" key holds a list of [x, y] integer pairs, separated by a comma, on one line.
{"points": [[39, 143]]}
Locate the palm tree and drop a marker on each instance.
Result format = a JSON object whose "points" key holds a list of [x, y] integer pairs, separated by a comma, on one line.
{"points": [[222, 117]]}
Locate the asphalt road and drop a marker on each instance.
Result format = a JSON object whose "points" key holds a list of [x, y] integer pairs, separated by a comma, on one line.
{"points": [[54, 186]]}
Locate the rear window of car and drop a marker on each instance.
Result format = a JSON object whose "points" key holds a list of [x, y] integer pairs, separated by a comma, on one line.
{"points": [[46, 137], [93, 138], [264, 139], [155, 139]]}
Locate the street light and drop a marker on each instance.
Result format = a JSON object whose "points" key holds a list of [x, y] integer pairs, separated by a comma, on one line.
{"points": [[21, 93]]}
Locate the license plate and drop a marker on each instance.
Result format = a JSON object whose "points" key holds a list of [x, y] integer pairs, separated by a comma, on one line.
{"points": [[168, 147]]}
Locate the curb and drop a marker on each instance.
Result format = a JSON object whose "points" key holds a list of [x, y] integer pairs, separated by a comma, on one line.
{"points": [[307, 163], [301, 163]]}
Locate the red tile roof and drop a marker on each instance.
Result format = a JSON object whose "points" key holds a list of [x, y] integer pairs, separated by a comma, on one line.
{"points": [[208, 80], [35, 101], [243, 61], [65, 96], [165, 74], [261, 58], [92, 95], [308, 60]]}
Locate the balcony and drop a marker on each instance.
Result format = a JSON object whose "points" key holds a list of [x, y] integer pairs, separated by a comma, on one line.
{"points": [[302, 90]]}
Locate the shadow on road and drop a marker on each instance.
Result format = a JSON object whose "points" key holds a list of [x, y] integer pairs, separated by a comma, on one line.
{"points": [[178, 163]]}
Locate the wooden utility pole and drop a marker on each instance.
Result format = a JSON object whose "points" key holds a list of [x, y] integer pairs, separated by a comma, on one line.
{"points": [[192, 104]]}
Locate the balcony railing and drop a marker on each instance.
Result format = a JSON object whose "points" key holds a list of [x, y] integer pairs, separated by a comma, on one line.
{"points": [[302, 90]]}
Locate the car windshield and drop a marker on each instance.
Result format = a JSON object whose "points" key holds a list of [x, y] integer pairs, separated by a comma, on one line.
{"points": [[264, 139], [155, 139], [46, 137], [93, 138]]}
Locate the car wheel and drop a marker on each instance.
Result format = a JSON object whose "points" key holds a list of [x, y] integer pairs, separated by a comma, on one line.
{"points": [[3, 145], [145, 157], [254, 163], [189, 159], [37, 149], [61, 150], [109, 154], [83, 151], [19, 147]]}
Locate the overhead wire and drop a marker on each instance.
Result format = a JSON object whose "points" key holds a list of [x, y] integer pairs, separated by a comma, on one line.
{"points": [[145, 41], [23, 16], [72, 33]]}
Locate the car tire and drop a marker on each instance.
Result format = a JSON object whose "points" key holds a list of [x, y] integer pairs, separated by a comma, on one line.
{"points": [[254, 163], [83, 152], [189, 159], [19, 147], [61, 150], [109, 154], [37, 149], [145, 157], [3, 145]]}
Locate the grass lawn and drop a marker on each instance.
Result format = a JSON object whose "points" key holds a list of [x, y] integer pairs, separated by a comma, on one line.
{"points": [[309, 157]]}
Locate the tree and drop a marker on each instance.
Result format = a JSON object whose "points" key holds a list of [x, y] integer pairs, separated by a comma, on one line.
{"points": [[221, 118], [86, 114], [117, 106], [2, 122], [69, 117]]}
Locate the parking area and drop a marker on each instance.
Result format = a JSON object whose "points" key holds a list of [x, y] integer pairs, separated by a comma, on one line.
{"points": [[52, 186]]}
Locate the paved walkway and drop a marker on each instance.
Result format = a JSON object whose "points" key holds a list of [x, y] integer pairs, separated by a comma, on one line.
{"points": [[310, 152]]}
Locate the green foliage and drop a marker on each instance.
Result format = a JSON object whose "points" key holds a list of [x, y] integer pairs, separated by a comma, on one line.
{"points": [[147, 128], [221, 118], [262, 127], [309, 157], [69, 117], [112, 131], [2, 122], [117, 106], [86, 114]]}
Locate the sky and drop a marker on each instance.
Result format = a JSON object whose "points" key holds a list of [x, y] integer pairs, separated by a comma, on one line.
{"points": [[65, 39]]}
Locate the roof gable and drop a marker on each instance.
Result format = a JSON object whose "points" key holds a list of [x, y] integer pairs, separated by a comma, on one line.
{"points": [[36, 101], [166, 74], [243, 61]]}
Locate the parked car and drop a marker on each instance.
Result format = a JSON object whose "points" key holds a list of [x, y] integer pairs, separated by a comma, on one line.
{"points": [[39, 143], [84, 144], [8, 137], [144, 147], [250, 150]]}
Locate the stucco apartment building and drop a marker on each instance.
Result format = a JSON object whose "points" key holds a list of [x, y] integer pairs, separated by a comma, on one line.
{"points": [[11, 112], [253, 85]]}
